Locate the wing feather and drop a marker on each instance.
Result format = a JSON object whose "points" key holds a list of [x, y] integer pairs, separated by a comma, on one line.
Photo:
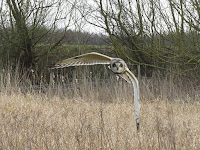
{"points": [[136, 96], [125, 77], [92, 58]]}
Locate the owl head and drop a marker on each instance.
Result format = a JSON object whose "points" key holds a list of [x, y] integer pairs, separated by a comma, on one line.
{"points": [[117, 65]]}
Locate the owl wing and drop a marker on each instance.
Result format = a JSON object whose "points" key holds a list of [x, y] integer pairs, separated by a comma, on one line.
{"points": [[135, 84], [92, 58], [125, 77]]}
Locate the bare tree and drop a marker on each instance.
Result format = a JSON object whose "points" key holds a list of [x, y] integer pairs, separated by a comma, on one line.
{"points": [[151, 33], [24, 23], [122, 21]]}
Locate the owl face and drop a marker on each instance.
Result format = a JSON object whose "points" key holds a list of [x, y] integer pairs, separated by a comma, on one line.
{"points": [[117, 66]]}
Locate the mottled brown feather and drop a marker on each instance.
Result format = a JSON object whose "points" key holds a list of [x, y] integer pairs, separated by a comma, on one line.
{"points": [[85, 59]]}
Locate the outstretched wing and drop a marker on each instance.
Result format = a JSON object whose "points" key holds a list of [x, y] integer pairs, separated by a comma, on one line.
{"points": [[125, 77], [136, 96], [92, 58]]}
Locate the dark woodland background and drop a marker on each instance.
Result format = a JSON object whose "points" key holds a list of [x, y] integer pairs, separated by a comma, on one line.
{"points": [[151, 37]]}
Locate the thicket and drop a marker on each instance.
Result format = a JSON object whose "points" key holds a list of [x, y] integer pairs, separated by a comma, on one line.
{"points": [[157, 35], [151, 36]]}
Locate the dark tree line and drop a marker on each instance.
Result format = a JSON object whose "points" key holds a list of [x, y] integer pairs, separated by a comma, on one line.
{"points": [[79, 38], [24, 24], [159, 36]]}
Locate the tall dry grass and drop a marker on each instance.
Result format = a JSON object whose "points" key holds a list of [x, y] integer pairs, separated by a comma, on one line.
{"points": [[98, 114]]}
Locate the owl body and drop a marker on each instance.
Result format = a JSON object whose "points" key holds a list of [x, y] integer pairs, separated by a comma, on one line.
{"points": [[117, 66]]}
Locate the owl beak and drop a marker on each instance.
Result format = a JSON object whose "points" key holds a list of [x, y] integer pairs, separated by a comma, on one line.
{"points": [[109, 67]]}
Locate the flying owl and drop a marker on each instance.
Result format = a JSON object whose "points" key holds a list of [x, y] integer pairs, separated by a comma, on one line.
{"points": [[116, 65]]}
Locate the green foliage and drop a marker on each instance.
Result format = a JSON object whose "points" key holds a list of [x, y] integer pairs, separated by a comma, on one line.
{"points": [[146, 36]]}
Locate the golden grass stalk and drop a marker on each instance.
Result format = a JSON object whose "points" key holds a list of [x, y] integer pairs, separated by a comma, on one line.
{"points": [[98, 114]]}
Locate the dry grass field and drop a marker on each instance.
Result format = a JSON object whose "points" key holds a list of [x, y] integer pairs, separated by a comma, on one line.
{"points": [[94, 118]]}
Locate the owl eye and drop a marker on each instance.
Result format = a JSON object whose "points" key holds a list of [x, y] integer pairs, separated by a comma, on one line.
{"points": [[114, 65], [121, 65]]}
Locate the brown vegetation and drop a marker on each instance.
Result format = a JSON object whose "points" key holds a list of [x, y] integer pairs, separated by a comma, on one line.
{"points": [[100, 115]]}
